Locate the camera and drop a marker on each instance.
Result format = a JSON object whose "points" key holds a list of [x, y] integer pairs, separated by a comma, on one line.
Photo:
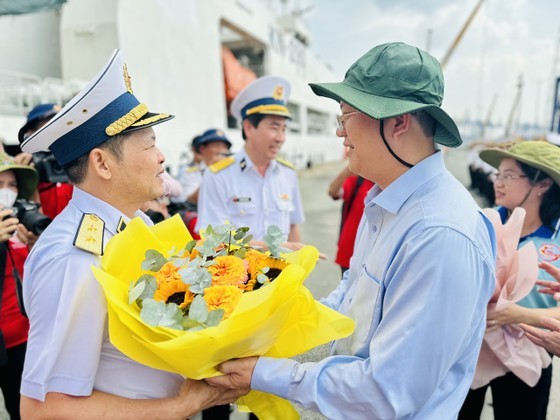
{"points": [[28, 214], [48, 168]]}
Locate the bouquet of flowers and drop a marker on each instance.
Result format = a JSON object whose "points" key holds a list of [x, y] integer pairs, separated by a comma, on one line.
{"points": [[185, 306], [507, 349]]}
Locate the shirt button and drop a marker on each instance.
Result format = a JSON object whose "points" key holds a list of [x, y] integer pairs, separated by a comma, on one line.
{"points": [[374, 229]]}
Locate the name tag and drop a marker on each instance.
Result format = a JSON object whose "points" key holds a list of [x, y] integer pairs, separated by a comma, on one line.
{"points": [[241, 199]]}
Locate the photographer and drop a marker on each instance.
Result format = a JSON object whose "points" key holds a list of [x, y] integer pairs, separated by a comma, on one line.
{"points": [[16, 181], [54, 189]]}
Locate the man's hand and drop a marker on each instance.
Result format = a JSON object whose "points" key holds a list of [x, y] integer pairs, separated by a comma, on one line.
{"points": [[237, 373], [25, 236], [24, 159], [8, 225], [550, 340], [195, 396]]}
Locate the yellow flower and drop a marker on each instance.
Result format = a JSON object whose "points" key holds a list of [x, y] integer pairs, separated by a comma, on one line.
{"points": [[255, 259], [275, 267], [228, 270], [249, 286], [223, 297], [174, 291], [167, 273]]}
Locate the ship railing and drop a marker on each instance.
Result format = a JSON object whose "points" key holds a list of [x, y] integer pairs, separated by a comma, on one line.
{"points": [[19, 92]]}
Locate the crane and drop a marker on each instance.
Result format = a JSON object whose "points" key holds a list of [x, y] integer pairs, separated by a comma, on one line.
{"points": [[459, 36]]}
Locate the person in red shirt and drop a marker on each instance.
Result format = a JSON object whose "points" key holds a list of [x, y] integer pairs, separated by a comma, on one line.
{"points": [[54, 192], [16, 181], [352, 189]]}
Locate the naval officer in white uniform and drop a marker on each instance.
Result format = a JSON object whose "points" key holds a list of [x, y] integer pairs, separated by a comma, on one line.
{"points": [[255, 188], [104, 140]]}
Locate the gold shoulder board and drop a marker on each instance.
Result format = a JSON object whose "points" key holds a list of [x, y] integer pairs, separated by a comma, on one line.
{"points": [[285, 163], [89, 236], [192, 169], [221, 164]]}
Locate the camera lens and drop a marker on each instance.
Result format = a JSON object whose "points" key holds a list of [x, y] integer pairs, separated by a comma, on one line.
{"points": [[36, 222]]}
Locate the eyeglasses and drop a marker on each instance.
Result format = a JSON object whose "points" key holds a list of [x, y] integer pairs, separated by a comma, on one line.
{"points": [[340, 119], [496, 176]]}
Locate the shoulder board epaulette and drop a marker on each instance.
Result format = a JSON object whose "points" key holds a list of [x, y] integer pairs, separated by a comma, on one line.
{"points": [[221, 164], [192, 169], [89, 236], [285, 163]]}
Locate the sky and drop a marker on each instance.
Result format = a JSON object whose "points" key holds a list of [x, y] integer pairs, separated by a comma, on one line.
{"points": [[507, 39]]}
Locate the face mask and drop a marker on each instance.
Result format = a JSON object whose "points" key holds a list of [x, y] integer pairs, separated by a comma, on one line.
{"points": [[7, 197]]}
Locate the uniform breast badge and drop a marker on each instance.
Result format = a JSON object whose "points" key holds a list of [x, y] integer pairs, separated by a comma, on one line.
{"points": [[89, 236]]}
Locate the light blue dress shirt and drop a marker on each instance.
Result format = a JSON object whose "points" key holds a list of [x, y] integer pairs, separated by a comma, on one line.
{"points": [[68, 350], [241, 195], [418, 285]]}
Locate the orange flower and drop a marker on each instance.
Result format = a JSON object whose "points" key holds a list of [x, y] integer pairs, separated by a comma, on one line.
{"points": [[174, 291], [223, 297], [228, 270], [168, 272]]}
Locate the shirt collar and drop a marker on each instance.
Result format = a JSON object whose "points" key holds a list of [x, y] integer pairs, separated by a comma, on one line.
{"points": [[542, 232], [394, 196], [273, 165], [87, 203]]}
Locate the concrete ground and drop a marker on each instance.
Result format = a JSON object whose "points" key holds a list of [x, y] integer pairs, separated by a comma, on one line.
{"points": [[321, 229]]}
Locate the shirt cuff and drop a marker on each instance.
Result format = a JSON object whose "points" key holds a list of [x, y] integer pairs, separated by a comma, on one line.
{"points": [[273, 376]]}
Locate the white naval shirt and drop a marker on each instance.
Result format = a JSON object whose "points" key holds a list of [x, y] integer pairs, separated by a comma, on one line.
{"points": [[239, 194]]}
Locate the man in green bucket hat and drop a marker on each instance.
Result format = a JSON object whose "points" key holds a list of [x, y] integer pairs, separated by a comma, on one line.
{"points": [[423, 265]]}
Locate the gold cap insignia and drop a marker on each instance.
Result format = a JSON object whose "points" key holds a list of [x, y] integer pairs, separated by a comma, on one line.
{"points": [[219, 133], [89, 236], [127, 82], [278, 92]]}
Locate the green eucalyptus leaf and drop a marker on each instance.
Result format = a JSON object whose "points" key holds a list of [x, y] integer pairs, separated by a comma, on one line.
{"points": [[198, 309], [189, 247], [199, 328], [151, 286], [189, 323], [159, 314], [261, 278], [240, 253], [152, 312], [173, 317], [154, 260], [214, 317], [136, 292]]}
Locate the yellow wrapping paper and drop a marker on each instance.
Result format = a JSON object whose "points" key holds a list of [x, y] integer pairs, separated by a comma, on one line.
{"points": [[279, 320]]}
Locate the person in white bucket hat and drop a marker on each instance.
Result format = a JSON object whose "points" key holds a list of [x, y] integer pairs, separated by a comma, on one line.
{"points": [[104, 141]]}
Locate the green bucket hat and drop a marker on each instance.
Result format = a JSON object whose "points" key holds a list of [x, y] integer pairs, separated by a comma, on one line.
{"points": [[395, 79], [26, 176], [537, 153]]}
